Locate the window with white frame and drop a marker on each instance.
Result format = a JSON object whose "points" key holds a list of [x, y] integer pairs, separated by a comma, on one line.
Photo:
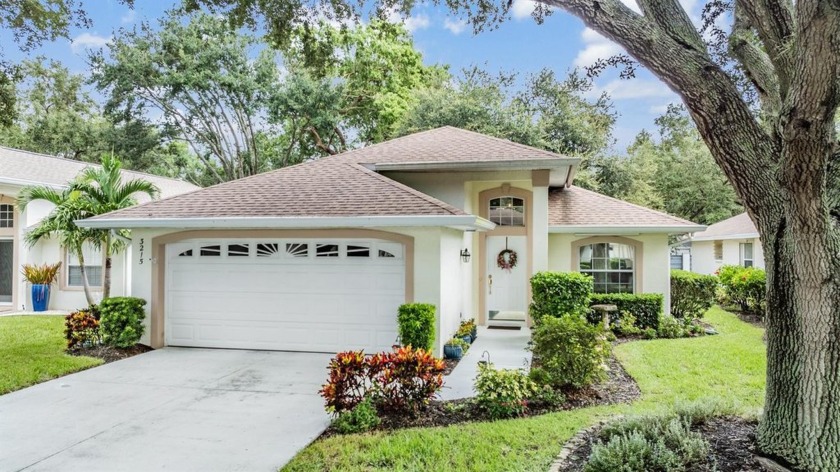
{"points": [[746, 250], [507, 211], [7, 215], [611, 265], [93, 267], [717, 247]]}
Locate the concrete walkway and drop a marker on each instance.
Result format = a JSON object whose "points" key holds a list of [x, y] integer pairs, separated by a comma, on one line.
{"points": [[506, 349], [172, 409]]}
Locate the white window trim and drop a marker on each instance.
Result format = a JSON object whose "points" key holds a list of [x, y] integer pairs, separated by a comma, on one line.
{"points": [[741, 254], [64, 283]]}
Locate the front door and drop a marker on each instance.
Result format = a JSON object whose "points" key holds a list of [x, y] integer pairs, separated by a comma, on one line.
{"points": [[7, 270], [507, 269]]}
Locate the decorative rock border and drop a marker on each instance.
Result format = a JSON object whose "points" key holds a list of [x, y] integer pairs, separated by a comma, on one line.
{"points": [[562, 462]]}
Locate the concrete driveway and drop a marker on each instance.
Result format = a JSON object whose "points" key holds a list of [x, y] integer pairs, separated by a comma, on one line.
{"points": [[172, 409]]}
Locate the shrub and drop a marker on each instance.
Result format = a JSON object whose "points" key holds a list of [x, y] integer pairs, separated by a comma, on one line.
{"points": [[626, 324], [363, 417], [402, 380], [670, 328], [121, 321], [557, 294], [569, 351], [81, 327], [691, 294], [746, 286], [503, 393], [642, 444], [417, 325], [466, 328], [465, 346], [649, 333], [646, 307]]}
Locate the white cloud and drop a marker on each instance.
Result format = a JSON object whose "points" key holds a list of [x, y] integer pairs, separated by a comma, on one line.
{"points": [[522, 8], [88, 41], [412, 23], [634, 89], [455, 26], [128, 17], [595, 47], [659, 109]]}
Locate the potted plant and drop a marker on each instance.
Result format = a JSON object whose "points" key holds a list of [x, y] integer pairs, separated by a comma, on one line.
{"points": [[41, 277], [468, 327], [453, 349]]}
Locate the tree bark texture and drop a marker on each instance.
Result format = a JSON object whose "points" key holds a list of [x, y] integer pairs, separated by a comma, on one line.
{"points": [[784, 167]]}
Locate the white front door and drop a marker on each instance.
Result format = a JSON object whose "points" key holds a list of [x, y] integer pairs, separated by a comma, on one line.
{"points": [[507, 294], [320, 295]]}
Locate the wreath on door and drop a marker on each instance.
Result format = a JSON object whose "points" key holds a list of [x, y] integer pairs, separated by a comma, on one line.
{"points": [[506, 259]]}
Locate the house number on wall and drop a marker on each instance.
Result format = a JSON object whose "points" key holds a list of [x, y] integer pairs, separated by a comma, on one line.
{"points": [[142, 247]]}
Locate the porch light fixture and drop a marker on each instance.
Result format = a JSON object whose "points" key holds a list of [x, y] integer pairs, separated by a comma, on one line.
{"points": [[465, 255]]}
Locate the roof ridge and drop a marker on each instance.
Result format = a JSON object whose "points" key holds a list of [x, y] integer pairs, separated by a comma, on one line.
{"points": [[374, 145], [508, 141], [443, 205], [85, 163], [629, 203]]}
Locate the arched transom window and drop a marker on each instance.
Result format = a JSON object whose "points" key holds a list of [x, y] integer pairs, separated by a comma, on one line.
{"points": [[507, 211], [612, 265]]}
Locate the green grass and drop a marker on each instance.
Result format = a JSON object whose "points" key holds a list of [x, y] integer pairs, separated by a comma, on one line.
{"points": [[729, 367], [32, 351]]}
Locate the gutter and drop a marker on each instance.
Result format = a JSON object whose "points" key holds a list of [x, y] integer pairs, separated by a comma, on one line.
{"points": [[625, 230], [725, 237], [462, 222]]}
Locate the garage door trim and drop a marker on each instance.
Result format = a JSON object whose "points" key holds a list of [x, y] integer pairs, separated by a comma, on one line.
{"points": [[157, 305]]}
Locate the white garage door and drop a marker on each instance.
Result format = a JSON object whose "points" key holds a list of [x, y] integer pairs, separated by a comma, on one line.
{"points": [[296, 295]]}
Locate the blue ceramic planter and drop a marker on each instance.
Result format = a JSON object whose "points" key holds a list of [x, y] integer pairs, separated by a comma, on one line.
{"points": [[40, 297], [452, 352]]}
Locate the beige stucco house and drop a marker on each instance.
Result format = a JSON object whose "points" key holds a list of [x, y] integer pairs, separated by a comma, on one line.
{"points": [[318, 256], [19, 169], [733, 241]]}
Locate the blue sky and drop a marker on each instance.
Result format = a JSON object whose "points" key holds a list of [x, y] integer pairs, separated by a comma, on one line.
{"points": [[519, 45]]}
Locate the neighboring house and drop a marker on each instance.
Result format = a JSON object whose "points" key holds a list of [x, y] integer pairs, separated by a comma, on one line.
{"points": [[733, 241], [19, 169], [318, 256]]}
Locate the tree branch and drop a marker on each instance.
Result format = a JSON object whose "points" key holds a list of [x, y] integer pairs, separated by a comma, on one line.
{"points": [[773, 22], [756, 63], [671, 18]]}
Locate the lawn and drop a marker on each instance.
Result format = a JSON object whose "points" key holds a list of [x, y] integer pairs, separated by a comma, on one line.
{"points": [[728, 367], [32, 351]]}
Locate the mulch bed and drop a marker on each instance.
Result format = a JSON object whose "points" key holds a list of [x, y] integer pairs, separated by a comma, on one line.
{"points": [[619, 387], [731, 440], [450, 365], [108, 353]]}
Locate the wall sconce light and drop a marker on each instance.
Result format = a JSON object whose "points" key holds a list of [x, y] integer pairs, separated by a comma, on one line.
{"points": [[465, 255]]}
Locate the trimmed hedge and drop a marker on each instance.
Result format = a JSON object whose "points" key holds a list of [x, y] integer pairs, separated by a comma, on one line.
{"points": [[417, 325], [558, 294], [121, 321], [646, 307], [691, 294], [746, 286]]}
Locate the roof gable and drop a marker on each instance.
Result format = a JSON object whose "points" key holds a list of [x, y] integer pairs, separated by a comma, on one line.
{"points": [[736, 227], [578, 209], [31, 168]]}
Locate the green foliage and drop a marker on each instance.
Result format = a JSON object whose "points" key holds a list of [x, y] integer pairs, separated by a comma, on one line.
{"points": [[465, 346], [81, 327], [626, 324], [646, 307], [649, 333], [44, 274], [556, 294], [671, 328], [363, 417], [121, 321], [503, 393], [417, 325], [466, 328], [568, 351], [745, 286], [691, 294]]}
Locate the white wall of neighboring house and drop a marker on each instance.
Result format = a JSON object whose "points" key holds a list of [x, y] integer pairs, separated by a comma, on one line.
{"points": [[703, 260], [656, 269]]}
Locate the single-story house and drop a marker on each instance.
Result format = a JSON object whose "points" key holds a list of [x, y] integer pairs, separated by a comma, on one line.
{"points": [[733, 241], [319, 256], [19, 169]]}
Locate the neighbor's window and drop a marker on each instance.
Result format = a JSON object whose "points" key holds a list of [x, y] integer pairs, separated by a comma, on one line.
{"points": [[93, 267], [612, 265], [7, 216], [746, 251], [718, 248], [507, 211]]}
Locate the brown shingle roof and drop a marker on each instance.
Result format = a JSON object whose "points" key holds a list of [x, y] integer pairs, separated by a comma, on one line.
{"points": [[574, 206], [739, 226], [324, 188], [446, 144], [31, 168]]}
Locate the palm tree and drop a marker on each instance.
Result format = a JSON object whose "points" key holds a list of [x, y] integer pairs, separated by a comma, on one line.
{"points": [[61, 222], [104, 191]]}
